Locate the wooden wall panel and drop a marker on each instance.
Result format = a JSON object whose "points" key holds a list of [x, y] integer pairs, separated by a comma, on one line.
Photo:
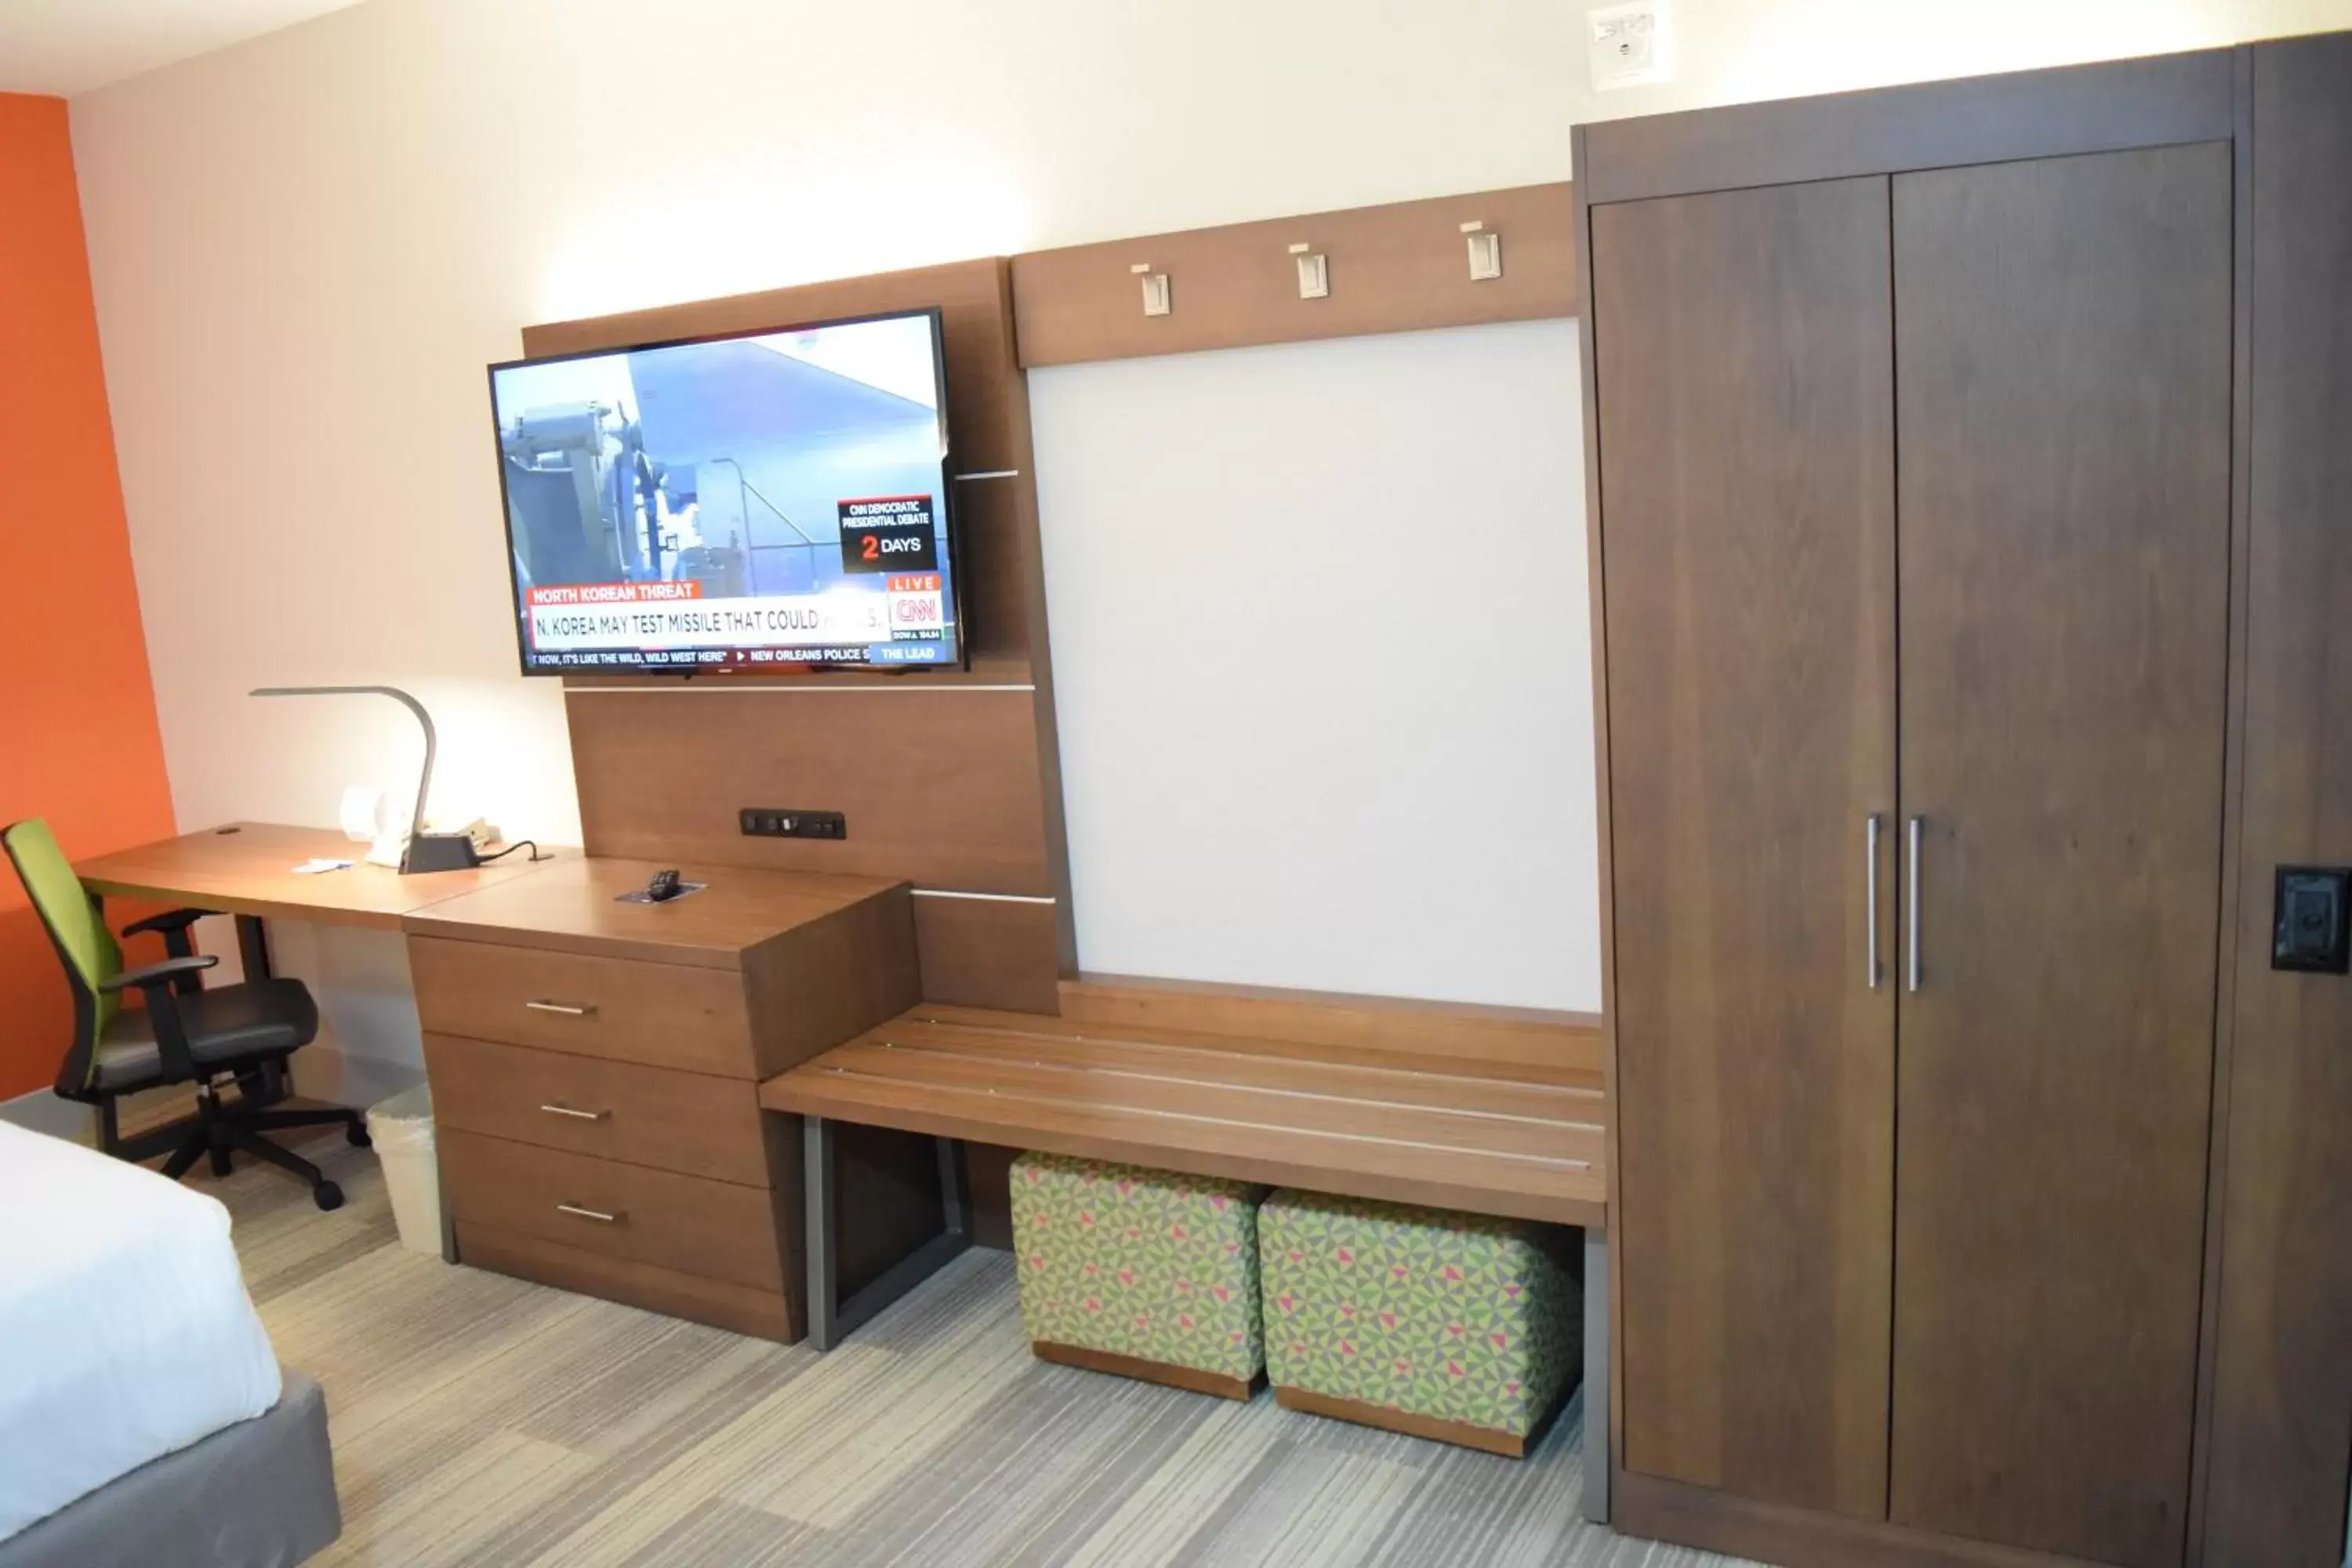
{"points": [[2281, 1442], [938, 786], [986, 427], [950, 778], [994, 530], [988, 952], [1395, 268]]}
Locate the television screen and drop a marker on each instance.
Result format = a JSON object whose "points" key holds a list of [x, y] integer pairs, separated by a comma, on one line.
{"points": [[732, 503]]}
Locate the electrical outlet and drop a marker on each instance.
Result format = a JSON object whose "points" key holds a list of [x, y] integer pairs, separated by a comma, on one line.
{"points": [[1629, 44], [779, 822]]}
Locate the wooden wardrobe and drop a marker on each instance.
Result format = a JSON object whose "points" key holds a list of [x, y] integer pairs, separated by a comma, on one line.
{"points": [[1928, 435]]}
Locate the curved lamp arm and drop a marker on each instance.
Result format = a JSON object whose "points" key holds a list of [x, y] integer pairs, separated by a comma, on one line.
{"points": [[424, 781]]}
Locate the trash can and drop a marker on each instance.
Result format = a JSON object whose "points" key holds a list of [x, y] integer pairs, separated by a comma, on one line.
{"points": [[402, 1129]]}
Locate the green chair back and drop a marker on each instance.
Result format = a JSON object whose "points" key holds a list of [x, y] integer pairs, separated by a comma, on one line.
{"points": [[90, 955]]}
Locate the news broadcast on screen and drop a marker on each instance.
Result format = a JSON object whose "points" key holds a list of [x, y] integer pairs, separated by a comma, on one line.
{"points": [[734, 503]]}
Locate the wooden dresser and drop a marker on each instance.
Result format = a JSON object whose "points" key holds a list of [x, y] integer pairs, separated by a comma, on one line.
{"points": [[595, 1067]]}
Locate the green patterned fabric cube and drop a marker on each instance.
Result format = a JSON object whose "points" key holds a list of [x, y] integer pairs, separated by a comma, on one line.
{"points": [[1455, 1317], [1148, 1265]]}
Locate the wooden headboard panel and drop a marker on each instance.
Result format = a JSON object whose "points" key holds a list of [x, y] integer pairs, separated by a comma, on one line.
{"points": [[950, 779]]}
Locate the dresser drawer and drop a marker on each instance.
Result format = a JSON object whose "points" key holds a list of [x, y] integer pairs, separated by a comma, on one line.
{"points": [[663, 1015], [684, 1122], [693, 1224]]}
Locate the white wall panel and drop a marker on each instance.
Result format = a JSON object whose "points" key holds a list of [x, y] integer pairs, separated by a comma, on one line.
{"points": [[1322, 660]]}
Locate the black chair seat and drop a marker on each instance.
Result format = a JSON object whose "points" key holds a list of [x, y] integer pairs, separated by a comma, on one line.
{"points": [[226, 1026]]}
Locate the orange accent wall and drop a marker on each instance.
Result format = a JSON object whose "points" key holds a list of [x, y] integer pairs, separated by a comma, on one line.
{"points": [[79, 743]]}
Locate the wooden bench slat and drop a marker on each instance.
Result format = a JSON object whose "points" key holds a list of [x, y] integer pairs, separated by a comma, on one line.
{"points": [[1514, 1042], [1469, 1132], [1325, 1118], [1260, 1070], [1552, 1055], [1561, 1192]]}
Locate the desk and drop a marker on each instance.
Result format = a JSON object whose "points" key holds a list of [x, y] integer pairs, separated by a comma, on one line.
{"points": [[596, 1063], [246, 870]]}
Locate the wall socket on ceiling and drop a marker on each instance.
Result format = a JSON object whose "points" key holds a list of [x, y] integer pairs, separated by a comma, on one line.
{"points": [[1629, 44]]}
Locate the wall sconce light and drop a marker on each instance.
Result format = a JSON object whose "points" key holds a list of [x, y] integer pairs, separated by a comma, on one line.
{"points": [[1314, 272], [1155, 289], [1485, 252]]}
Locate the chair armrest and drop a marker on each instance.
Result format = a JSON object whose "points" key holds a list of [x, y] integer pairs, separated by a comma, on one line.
{"points": [[154, 975], [155, 982], [167, 922], [173, 927]]}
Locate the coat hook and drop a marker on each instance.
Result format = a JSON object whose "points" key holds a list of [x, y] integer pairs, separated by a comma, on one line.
{"points": [[1485, 252], [1314, 272], [1155, 289]]}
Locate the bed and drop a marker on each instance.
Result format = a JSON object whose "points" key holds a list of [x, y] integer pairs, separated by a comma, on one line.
{"points": [[144, 1416]]}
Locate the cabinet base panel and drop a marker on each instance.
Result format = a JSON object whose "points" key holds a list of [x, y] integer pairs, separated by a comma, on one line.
{"points": [[762, 1314], [1686, 1515]]}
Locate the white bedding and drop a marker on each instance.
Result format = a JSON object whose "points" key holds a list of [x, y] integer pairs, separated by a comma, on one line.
{"points": [[125, 1330]]}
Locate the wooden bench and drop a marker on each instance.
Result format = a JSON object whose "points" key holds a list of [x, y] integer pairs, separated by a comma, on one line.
{"points": [[1490, 1113]]}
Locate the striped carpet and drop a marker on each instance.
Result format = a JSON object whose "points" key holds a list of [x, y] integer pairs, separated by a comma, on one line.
{"points": [[479, 1420]]}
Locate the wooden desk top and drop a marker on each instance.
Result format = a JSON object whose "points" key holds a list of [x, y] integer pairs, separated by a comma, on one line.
{"points": [[572, 905], [247, 868]]}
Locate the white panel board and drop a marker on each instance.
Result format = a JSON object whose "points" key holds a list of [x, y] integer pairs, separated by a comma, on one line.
{"points": [[1322, 661]]}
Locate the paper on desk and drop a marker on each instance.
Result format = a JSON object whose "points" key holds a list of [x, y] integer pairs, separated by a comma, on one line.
{"points": [[313, 867]]}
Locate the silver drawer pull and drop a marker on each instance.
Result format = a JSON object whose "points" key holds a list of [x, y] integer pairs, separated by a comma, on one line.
{"points": [[599, 1216], [1870, 966], [1919, 827], [566, 1009], [583, 1115]]}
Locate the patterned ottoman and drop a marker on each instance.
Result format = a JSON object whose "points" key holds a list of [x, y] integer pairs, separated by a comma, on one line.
{"points": [[1454, 1326], [1144, 1273]]}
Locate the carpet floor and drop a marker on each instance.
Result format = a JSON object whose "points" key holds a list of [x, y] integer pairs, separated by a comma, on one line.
{"points": [[481, 1420]]}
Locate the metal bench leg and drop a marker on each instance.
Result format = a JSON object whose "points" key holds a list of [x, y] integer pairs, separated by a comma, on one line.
{"points": [[1597, 1456], [829, 1317], [817, 1184]]}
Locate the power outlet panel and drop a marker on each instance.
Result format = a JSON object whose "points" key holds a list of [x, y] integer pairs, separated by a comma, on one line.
{"points": [[779, 822], [1628, 44]]}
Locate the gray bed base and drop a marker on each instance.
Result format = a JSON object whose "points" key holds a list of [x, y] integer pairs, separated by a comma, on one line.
{"points": [[260, 1494]]}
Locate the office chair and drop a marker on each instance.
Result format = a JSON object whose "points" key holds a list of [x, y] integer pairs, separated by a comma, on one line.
{"points": [[185, 1034]]}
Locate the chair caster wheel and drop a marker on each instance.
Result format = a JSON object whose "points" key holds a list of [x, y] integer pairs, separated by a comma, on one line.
{"points": [[327, 1195], [357, 1136]]}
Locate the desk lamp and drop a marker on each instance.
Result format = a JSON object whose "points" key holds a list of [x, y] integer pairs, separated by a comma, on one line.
{"points": [[426, 851]]}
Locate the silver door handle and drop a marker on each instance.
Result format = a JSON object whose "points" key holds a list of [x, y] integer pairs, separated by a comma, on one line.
{"points": [[1918, 825], [566, 1009], [583, 1115], [599, 1216], [1870, 899]]}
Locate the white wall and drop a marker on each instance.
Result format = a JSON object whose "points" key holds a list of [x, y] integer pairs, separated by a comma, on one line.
{"points": [[306, 247], [1323, 659]]}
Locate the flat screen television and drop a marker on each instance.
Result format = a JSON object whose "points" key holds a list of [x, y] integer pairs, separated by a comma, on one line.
{"points": [[733, 504]]}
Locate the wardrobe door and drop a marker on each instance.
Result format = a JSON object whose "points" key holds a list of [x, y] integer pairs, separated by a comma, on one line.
{"points": [[2062, 347], [1744, 361]]}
